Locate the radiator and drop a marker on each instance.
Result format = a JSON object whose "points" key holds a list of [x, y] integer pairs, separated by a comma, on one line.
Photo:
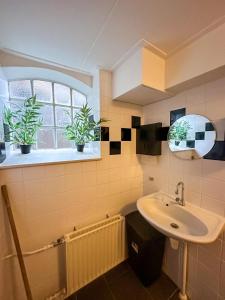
{"points": [[93, 250]]}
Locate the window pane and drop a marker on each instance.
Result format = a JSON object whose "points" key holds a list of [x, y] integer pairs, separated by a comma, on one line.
{"points": [[43, 90], [62, 94], [62, 117], [20, 89], [15, 106], [45, 138], [78, 98], [75, 110], [3, 88], [62, 142], [47, 115]]}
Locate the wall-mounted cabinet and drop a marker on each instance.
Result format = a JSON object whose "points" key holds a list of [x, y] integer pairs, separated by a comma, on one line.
{"points": [[140, 79], [147, 139], [145, 76]]}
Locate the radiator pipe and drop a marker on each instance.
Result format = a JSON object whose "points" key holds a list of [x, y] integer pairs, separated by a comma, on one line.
{"points": [[56, 243]]}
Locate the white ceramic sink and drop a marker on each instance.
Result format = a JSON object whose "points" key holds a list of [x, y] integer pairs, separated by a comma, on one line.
{"points": [[191, 223]]}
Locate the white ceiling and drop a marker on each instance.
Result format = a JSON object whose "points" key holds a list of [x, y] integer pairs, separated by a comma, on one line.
{"points": [[88, 33]]}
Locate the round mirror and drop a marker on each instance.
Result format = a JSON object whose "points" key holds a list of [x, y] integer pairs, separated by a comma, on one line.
{"points": [[191, 137]]}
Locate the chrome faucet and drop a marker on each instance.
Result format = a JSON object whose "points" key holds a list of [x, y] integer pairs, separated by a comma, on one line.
{"points": [[180, 200]]}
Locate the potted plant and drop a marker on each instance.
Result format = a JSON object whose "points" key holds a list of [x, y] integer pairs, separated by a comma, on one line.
{"points": [[23, 123], [83, 128], [178, 132]]}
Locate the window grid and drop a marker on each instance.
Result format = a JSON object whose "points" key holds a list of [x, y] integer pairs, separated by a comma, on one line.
{"points": [[53, 104]]}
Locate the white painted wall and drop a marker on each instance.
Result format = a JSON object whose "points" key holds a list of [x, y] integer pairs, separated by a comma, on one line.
{"points": [[203, 55], [8, 59], [20, 73], [204, 186]]}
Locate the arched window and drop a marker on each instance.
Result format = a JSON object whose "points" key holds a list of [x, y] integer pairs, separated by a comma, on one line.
{"points": [[60, 102]]}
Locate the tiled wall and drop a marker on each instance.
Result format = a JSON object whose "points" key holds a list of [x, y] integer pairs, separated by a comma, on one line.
{"points": [[50, 200], [204, 186]]}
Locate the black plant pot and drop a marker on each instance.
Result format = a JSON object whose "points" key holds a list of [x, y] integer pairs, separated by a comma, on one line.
{"points": [[80, 148], [177, 143], [25, 149]]}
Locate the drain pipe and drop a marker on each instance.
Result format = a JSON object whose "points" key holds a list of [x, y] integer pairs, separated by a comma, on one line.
{"points": [[183, 294]]}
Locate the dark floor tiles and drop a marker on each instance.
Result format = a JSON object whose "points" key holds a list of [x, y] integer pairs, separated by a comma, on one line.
{"points": [[96, 290], [114, 274], [162, 288], [127, 286], [121, 283]]}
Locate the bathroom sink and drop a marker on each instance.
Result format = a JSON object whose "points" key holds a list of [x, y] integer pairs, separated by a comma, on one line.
{"points": [[188, 223]]}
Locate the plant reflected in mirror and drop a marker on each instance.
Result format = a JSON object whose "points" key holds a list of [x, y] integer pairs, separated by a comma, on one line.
{"points": [[191, 137], [178, 131]]}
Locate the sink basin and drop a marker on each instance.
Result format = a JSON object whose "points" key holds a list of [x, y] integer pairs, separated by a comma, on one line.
{"points": [[188, 223]]}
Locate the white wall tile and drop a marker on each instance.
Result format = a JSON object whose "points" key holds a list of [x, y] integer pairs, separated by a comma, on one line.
{"points": [[213, 205], [213, 188], [31, 173], [11, 175], [214, 169], [204, 185]]}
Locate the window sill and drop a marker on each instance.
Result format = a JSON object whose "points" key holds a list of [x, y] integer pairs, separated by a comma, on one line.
{"points": [[40, 157]]}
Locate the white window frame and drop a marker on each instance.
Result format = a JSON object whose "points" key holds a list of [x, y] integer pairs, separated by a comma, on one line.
{"points": [[53, 104]]}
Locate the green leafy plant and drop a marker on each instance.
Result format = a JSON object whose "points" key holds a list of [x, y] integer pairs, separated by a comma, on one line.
{"points": [[83, 128], [178, 131], [23, 122]]}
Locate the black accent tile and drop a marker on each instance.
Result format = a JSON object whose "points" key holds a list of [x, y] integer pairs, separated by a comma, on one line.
{"points": [[104, 133], [101, 133], [190, 144], [125, 134], [177, 114], [135, 122], [146, 139], [2, 152], [209, 126], [97, 134], [199, 135], [115, 148], [217, 152]]}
